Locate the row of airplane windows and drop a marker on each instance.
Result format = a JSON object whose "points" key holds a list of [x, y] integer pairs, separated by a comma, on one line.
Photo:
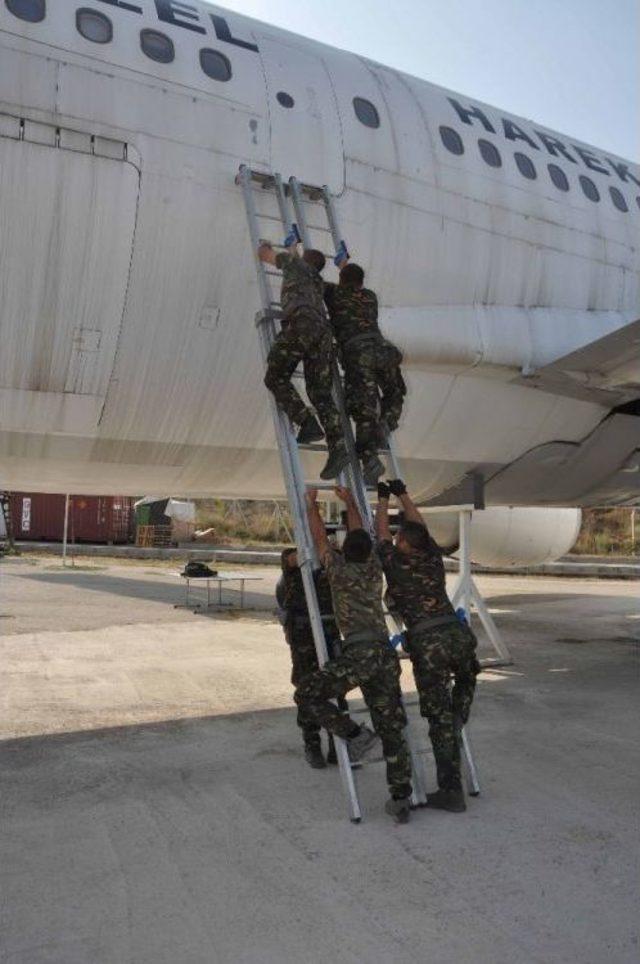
{"points": [[491, 156], [97, 28]]}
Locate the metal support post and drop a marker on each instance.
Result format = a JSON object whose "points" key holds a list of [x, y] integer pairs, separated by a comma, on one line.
{"points": [[466, 594]]}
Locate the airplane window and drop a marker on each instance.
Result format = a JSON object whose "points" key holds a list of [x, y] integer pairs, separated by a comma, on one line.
{"points": [[94, 26], [490, 153], [157, 46], [525, 166], [618, 199], [589, 188], [451, 140], [285, 99], [215, 64], [558, 177], [366, 113], [31, 10]]}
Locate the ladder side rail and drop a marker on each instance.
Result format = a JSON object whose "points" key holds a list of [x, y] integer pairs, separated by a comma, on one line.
{"points": [[392, 457], [295, 485], [283, 205], [301, 219], [294, 479], [332, 220], [244, 178]]}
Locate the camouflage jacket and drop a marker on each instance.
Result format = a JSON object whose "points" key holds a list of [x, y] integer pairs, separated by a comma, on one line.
{"points": [[302, 286], [356, 588], [291, 597], [416, 582], [352, 311]]}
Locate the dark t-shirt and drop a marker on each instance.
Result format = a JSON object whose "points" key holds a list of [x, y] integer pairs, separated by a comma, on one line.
{"points": [[416, 581], [291, 597]]}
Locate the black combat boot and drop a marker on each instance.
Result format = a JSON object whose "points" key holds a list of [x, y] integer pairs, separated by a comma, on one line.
{"points": [[310, 430], [360, 744], [313, 756], [450, 800], [337, 461], [400, 810]]}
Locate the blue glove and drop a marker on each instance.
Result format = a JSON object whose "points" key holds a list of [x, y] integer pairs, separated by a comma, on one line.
{"points": [[396, 641], [293, 237], [462, 616], [341, 255]]}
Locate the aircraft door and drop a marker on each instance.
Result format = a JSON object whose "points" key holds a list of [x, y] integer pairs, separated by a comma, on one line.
{"points": [[306, 135]]}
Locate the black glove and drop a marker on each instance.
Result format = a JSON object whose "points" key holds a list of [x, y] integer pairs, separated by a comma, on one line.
{"points": [[383, 490], [397, 487]]}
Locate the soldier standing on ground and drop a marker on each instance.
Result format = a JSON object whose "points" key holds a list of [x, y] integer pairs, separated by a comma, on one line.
{"points": [[371, 366], [441, 648], [304, 659], [305, 337], [355, 577]]}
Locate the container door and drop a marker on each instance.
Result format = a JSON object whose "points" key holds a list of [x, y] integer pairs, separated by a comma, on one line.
{"points": [[306, 137]]}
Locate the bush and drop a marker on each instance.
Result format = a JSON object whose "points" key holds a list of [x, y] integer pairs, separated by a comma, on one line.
{"points": [[605, 532]]}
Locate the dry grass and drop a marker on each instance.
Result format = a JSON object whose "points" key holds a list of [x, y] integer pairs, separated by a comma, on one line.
{"points": [[607, 532], [245, 522]]}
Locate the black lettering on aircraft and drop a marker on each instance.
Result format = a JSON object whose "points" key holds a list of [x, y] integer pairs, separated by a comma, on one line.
{"points": [[466, 115], [223, 33], [591, 161], [514, 133], [170, 10], [622, 170], [555, 147], [123, 5]]}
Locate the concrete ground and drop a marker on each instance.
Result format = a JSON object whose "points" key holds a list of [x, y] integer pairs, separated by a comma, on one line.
{"points": [[156, 809]]}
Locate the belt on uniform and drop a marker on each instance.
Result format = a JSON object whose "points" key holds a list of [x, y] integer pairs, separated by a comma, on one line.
{"points": [[364, 636], [430, 622], [365, 336], [303, 619]]}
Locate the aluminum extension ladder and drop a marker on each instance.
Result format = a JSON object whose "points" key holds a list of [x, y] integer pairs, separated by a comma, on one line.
{"points": [[267, 324]]}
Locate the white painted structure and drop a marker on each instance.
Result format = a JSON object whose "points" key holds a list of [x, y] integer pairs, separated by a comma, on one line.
{"points": [[128, 356]]}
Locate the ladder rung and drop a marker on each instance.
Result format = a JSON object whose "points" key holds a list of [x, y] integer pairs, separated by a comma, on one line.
{"points": [[311, 447], [321, 485], [272, 274]]}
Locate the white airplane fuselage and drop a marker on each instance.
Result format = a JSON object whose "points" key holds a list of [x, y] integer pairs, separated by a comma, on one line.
{"points": [[129, 360]]}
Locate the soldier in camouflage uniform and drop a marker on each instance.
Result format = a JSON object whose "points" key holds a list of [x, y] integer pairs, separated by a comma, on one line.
{"points": [[371, 366], [305, 337], [297, 628], [355, 577], [441, 648]]}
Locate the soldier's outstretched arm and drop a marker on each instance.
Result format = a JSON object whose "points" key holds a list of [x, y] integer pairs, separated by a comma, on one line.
{"points": [[354, 519], [316, 524], [383, 532], [411, 513]]}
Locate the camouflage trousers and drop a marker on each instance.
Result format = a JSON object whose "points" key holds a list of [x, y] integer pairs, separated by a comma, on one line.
{"points": [[372, 370], [304, 662], [377, 673], [440, 656], [305, 339]]}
